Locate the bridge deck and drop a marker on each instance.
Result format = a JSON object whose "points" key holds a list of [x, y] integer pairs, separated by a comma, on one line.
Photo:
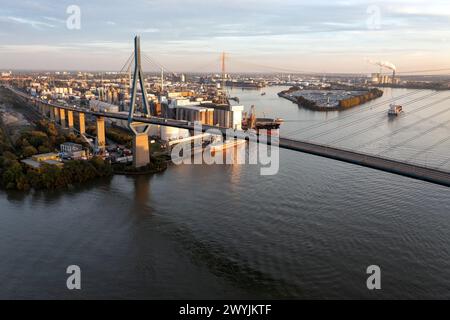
{"points": [[371, 161]]}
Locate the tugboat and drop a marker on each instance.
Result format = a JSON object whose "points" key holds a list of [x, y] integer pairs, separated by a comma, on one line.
{"points": [[395, 110]]}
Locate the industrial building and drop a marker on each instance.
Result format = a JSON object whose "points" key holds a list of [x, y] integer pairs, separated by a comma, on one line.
{"points": [[196, 113], [378, 78], [206, 112], [46, 158], [72, 151], [96, 105]]}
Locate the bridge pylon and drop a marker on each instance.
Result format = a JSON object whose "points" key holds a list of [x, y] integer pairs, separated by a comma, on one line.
{"points": [[141, 150]]}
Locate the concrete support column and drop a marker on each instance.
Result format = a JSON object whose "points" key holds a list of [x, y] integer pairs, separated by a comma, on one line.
{"points": [[62, 115], [70, 119], [56, 112], [82, 123], [141, 151], [52, 113], [101, 137]]}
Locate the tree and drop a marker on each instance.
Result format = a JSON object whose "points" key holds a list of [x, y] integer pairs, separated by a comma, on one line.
{"points": [[51, 177], [103, 168], [12, 174], [29, 151], [38, 138], [43, 149]]}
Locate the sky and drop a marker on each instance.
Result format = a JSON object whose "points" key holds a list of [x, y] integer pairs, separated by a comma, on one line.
{"points": [[257, 35]]}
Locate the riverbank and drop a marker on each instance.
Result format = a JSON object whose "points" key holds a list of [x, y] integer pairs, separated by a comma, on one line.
{"points": [[157, 165], [24, 135]]}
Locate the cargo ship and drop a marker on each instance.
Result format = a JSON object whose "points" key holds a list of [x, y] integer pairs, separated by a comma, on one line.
{"points": [[257, 124], [395, 109]]}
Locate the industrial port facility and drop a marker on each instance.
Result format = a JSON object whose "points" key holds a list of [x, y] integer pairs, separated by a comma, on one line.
{"points": [[329, 99]]}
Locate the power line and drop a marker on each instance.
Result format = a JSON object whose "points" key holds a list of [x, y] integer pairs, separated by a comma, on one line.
{"points": [[423, 71], [277, 69]]}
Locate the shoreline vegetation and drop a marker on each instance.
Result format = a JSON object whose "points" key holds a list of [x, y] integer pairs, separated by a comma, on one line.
{"points": [[43, 136], [15, 175], [157, 165], [343, 104]]}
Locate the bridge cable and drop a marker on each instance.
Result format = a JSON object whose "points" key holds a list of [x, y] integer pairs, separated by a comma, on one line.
{"points": [[357, 121], [389, 134], [360, 110], [421, 134], [379, 124], [429, 148]]}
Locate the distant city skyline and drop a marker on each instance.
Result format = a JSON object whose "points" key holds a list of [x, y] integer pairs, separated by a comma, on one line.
{"points": [[259, 36]]}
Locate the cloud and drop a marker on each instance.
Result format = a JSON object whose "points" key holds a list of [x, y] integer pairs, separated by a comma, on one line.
{"points": [[33, 23], [55, 19], [419, 9], [242, 27], [148, 30], [33, 48]]}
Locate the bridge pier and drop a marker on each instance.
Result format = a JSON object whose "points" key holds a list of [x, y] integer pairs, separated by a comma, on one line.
{"points": [[101, 137], [47, 111], [70, 119], [62, 115], [82, 123], [141, 150], [56, 114], [52, 113]]}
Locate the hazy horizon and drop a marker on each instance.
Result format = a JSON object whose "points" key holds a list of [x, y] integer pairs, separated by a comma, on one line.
{"points": [[258, 36]]}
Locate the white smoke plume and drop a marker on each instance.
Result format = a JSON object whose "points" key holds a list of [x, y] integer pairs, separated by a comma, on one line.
{"points": [[384, 64]]}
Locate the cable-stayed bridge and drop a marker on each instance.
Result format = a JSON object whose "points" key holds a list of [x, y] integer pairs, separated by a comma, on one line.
{"points": [[58, 113], [308, 142]]}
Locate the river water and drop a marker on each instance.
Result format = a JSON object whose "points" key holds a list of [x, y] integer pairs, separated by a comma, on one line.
{"points": [[224, 231]]}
